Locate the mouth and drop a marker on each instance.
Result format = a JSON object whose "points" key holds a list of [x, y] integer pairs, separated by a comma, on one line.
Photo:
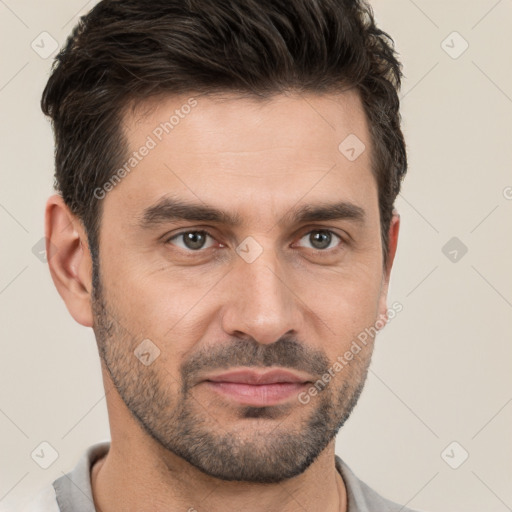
{"points": [[258, 388]]}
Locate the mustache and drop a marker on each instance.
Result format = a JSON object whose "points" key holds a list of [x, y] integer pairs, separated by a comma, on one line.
{"points": [[286, 352]]}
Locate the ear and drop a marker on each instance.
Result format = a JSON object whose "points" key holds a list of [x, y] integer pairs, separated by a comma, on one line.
{"points": [[69, 259], [394, 227]]}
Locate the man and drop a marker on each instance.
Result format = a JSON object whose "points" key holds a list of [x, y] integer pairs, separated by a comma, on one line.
{"points": [[226, 172]]}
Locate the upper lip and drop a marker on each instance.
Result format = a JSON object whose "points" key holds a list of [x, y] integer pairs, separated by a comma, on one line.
{"points": [[246, 376]]}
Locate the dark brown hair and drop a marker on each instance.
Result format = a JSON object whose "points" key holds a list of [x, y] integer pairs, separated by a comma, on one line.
{"points": [[125, 51]]}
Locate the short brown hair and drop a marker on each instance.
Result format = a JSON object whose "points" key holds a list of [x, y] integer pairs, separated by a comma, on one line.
{"points": [[125, 51]]}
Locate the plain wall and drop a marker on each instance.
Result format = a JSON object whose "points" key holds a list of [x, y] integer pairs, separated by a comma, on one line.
{"points": [[441, 371]]}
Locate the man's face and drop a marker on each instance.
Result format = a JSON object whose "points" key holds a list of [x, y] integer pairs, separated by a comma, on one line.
{"points": [[215, 300]]}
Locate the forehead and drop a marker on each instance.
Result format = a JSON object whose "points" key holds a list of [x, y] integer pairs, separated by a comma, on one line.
{"points": [[239, 152], [225, 121]]}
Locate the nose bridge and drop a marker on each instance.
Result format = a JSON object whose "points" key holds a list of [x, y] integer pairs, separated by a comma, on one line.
{"points": [[261, 303]]}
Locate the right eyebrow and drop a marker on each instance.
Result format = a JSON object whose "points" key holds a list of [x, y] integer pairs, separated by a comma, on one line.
{"points": [[171, 209]]}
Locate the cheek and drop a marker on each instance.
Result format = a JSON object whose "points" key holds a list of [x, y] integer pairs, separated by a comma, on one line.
{"points": [[347, 306], [164, 306]]}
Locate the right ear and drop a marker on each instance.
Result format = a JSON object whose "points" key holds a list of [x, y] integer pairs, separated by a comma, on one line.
{"points": [[69, 259]]}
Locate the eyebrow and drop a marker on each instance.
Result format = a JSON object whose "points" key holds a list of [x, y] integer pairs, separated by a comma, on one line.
{"points": [[169, 209]]}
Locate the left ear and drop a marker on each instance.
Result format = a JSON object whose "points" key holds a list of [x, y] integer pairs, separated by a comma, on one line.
{"points": [[394, 227]]}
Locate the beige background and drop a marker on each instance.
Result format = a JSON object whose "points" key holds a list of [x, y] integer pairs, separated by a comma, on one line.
{"points": [[442, 368]]}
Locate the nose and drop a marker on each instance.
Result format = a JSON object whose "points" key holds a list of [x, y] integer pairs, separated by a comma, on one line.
{"points": [[260, 301]]}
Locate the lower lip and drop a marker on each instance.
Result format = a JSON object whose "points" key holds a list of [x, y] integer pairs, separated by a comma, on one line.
{"points": [[258, 395]]}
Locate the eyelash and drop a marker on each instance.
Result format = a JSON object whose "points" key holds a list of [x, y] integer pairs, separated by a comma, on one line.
{"points": [[205, 232]]}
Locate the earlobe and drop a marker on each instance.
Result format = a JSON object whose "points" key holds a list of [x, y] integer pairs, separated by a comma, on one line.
{"points": [[69, 259]]}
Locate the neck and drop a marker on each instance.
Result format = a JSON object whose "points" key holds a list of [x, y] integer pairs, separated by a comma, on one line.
{"points": [[153, 480]]}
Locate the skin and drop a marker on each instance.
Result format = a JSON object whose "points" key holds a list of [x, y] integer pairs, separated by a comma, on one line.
{"points": [[260, 160]]}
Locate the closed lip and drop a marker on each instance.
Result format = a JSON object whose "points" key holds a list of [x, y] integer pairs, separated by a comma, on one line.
{"points": [[261, 377]]}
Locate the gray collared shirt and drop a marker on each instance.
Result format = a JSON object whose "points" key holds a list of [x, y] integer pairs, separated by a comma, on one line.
{"points": [[72, 492]]}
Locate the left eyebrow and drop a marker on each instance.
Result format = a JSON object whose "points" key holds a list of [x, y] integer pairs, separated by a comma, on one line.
{"points": [[342, 210], [170, 209]]}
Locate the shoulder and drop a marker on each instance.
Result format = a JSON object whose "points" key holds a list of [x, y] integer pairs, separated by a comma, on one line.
{"points": [[72, 491], [44, 501], [361, 497]]}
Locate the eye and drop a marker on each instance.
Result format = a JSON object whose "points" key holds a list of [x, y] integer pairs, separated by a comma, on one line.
{"points": [[195, 240], [321, 239], [191, 240]]}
